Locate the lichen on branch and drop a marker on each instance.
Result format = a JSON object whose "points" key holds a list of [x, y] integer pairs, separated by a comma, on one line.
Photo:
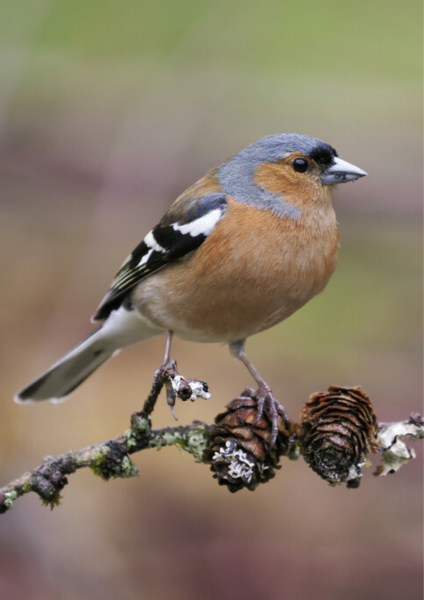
{"points": [[337, 431]]}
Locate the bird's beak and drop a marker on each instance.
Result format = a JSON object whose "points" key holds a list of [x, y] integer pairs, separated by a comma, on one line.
{"points": [[340, 172]]}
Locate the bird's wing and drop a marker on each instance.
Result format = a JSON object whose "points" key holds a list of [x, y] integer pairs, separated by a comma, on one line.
{"points": [[182, 230]]}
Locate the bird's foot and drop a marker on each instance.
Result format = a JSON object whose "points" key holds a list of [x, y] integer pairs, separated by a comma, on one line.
{"points": [[266, 401], [178, 386]]}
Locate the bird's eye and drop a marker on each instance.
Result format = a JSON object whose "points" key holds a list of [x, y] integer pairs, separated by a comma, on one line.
{"points": [[300, 165]]}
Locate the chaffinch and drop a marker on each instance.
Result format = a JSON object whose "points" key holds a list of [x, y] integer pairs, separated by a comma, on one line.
{"points": [[238, 252]]}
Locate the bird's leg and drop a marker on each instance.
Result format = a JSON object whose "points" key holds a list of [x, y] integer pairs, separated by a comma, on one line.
{"points": [[167, 366], [167, 348], [264, 396]]}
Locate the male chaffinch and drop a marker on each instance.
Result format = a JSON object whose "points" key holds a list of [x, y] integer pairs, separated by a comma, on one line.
{"points": [[238, 252]]}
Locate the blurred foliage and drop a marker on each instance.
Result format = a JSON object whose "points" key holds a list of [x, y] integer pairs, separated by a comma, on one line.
{"points": [[323, 34]]}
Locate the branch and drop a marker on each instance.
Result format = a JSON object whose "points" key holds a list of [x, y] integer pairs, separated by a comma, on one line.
{"points": [[337, 431], [110, 459], [394, 451]]}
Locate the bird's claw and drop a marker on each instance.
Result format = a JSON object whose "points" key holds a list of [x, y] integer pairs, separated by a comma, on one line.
{"points": [[267, 401], [178, 386]]}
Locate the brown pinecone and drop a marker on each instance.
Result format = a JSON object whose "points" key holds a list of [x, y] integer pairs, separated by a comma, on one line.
{"points": [[336, 433], [239, 450]]}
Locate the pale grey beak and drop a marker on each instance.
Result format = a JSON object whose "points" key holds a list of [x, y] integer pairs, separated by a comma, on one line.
{"points": [[340, 172]]}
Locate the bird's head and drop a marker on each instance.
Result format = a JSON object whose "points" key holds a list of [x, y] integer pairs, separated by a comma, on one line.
{"points": [[286, 173]]}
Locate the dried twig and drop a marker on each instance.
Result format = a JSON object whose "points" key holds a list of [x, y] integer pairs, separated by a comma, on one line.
{"points": [[394, 451], [238, 446]]}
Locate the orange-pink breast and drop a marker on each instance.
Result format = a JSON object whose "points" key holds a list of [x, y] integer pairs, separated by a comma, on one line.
{"points": [[253, 271]]}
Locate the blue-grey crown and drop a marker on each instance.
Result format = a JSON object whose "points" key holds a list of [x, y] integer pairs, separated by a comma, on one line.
{"points": [[237, 175]]}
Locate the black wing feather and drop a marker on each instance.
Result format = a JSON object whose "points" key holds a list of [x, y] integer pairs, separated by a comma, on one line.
{"points": [[164, 244]]}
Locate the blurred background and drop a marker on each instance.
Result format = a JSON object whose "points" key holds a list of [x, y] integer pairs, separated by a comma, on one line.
{"points": [[108, 111]]}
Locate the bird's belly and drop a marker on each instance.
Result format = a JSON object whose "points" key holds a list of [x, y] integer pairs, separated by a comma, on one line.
{"points": [[226, 294], [223, 311]]}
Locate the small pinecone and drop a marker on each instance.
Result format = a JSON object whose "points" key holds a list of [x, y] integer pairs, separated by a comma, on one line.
{"points": [[337, 431], [239, 449]]}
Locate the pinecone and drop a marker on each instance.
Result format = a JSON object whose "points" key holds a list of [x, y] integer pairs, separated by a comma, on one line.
{"points": [[337, 431], [239, 449]]}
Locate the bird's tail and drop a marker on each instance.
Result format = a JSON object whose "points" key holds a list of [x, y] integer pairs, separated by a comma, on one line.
{"points": [[121, 329]]}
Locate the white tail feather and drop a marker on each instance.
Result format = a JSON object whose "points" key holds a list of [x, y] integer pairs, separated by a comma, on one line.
{"points": [[122, 328]]}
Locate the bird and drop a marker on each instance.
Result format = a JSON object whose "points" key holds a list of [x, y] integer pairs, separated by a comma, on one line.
{"points": [[239, 251]]}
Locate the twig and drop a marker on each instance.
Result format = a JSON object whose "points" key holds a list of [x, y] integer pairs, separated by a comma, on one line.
{"points": [[237, 447], [394, 451], [110, 459]]}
